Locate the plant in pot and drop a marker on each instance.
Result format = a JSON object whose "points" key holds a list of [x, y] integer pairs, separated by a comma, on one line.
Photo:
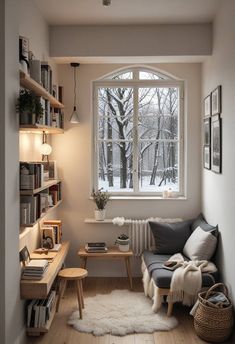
{"points": [[29, 107], [101, 199]]}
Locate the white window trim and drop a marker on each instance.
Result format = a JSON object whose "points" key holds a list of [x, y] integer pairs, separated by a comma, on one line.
{"points": [[140, 83]]}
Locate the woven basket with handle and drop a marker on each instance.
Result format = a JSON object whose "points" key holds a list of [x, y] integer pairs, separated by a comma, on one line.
{"points": [[213, 322]]}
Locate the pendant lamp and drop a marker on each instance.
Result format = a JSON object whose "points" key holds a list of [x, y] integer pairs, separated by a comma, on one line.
{"points": [[74, 116]]}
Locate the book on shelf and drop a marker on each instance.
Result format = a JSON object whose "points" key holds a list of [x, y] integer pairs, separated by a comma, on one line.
{"points": [[38, 311], [31, 175], [55, 192], [96, 247]]}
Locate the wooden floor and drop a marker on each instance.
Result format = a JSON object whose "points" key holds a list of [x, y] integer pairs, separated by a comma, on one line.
{"points": [[61, 333]]}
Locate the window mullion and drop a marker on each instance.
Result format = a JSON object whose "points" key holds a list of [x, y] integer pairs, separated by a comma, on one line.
{"points": [[135, 140]]}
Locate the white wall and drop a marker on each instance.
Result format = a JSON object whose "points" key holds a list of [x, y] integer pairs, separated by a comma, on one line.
{"points": [[131, 40], [218, 190], [73, 151]]}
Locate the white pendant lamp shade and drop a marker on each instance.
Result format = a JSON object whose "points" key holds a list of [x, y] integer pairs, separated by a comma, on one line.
{"points": [[45, 149], [74, 118]]}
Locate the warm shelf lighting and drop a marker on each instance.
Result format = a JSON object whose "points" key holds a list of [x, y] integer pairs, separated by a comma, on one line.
{"points": [[45, 148]]}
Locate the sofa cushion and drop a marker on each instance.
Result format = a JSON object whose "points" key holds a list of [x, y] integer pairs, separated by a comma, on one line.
{"points": [[200, 245], [170, 238], [162, 277], [201, 222]]}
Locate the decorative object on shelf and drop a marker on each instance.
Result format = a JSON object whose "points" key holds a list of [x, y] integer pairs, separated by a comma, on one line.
{"points": [[45, 148], [74, 117], [24, 54], [24, 256], [123, 242], [207, 106], [29, 107], [106, 3], [216, 146], [216, 101], [101, 199]]}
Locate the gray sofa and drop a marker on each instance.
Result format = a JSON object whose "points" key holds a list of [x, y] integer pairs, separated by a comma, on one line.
{"points": [[165, 236]]}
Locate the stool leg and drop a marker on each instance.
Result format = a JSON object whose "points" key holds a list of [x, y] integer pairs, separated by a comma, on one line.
{"points": [[81, 293], [61, 292], [79, 298]]}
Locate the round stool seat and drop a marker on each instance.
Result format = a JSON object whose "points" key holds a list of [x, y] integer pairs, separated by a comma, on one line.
{"points": [[72, 273]]}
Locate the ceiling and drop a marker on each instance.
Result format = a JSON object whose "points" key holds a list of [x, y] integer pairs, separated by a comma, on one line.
{"points": [[92, 12]]}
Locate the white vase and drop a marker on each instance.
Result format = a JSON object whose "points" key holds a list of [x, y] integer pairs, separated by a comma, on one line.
{"points": [[99, 214]]}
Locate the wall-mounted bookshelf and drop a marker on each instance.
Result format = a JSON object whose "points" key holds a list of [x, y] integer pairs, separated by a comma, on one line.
{"points": [[27, 82], [37, 128], [46, 185]]}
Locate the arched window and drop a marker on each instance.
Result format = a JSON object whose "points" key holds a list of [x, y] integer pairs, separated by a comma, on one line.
{"points": [[138, 133]]}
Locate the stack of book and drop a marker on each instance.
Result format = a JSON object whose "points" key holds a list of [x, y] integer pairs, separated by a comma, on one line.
{"points": [[96, 247], [38, 311], [31, 175], [35, 269]]}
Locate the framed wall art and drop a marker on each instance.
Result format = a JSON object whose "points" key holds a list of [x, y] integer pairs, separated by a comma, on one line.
{"points": [[216, 144], [207, 131], [207, 157], [216, 101], [207, 106]]}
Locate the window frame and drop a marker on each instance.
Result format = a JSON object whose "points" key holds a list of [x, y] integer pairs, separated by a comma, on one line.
{"points": [[136, 83]]}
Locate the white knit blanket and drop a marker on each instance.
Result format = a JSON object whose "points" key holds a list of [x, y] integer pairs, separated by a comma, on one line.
{"points": [[186, 281]]}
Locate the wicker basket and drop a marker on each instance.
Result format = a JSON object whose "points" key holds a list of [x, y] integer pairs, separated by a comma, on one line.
{"points": [[212, 322]]}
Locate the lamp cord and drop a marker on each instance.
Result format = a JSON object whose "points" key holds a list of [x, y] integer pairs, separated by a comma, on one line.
{"points": [[75, 88]]}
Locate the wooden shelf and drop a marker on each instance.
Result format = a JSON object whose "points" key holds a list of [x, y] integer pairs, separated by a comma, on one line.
{"points": [[37, 128], [34, 331], [32, 85], [22, 233], [46, 185], [39, 289]]}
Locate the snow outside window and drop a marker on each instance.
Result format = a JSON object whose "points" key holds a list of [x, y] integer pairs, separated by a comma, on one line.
{"points": [[138, 139]]}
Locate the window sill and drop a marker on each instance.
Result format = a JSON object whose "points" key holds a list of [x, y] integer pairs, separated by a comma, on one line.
{"points": [[148, 198]]}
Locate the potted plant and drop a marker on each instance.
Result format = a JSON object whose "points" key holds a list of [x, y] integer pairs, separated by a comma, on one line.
{"points": [[29, 107], [101, 199]]}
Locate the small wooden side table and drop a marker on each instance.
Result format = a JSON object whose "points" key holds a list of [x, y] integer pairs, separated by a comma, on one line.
{"points": [[112, 253]]}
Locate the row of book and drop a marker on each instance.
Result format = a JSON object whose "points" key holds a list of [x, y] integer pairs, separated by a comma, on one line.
{"points": [[38, 311], [32, 206], [31, 175], [96, 247], [35, 269]]}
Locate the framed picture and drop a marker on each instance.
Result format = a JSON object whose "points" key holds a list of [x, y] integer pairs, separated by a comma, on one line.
{"points": [[207, 131], [216, 144], [207, 157], [207, 106], [24, 256], [216, 101]]}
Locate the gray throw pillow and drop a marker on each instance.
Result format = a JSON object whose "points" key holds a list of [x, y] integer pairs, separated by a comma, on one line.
{"points": [[201, 222], [170, 238]]}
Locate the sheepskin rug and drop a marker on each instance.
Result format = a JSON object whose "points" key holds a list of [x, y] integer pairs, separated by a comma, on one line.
{"points": [[119, 313]]}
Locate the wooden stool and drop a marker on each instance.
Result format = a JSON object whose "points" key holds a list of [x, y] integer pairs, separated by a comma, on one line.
{"points": [[76, 275]]}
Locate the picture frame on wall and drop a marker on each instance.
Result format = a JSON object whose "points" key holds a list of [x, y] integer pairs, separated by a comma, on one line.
{"points": [[207, 106], [216, 101], [207, 157], [216, 144], [207, 131]]}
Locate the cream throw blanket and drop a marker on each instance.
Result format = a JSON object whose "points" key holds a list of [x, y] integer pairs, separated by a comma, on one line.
{"points": [[186, 281]]}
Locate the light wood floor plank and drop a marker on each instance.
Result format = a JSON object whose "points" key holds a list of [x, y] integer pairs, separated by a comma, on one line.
{"points": [[61, 333]]}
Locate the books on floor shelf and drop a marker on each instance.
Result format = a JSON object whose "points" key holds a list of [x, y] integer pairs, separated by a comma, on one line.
{"points": [[35, 269], [38, 311], [96, 247]]}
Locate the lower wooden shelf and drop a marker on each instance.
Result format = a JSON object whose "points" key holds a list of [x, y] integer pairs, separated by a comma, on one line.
{"points": [[36, 331]]}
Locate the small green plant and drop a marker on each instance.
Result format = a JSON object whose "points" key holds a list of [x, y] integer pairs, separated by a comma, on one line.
{"points": [[100, 198], [30, 103]]}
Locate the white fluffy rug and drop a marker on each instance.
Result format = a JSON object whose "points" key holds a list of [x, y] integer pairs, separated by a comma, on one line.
{"points": [[119, 313]]}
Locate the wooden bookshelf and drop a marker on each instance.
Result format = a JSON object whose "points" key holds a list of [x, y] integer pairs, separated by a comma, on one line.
{"points": [[23, 231], [36, 331], [37, 128], [46, 185], [32, 85], [39, 289]]}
